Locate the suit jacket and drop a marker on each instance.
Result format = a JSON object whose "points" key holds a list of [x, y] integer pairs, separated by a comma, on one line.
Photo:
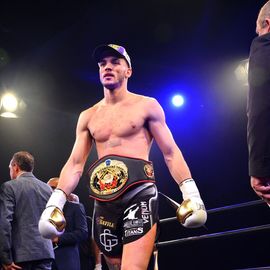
{"points": [[258, 109], [22, 202], [67, 253]]}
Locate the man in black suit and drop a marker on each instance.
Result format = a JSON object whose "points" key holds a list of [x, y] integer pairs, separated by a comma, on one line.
{"points": [[22, 201], [66, 249], [258, 111]]}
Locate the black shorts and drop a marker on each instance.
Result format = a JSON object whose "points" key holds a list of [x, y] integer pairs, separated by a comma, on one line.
{"points": [[125, 219]]}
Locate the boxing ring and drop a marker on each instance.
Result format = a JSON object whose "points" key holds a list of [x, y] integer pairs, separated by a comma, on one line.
{"points": [[246, 230]]}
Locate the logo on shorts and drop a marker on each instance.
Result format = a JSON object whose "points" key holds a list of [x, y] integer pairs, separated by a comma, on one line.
{"points": [[101, 221], [131, 212], [145, 212], [133, 231], [108, 177], [133, 224], [108, 240]]}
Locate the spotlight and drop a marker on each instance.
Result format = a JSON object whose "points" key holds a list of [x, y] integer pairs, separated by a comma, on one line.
{"points": [[178, 100], [241, 72], [9, 104]]}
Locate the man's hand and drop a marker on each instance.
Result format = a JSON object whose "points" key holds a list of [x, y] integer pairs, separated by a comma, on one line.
{"points": [[261, 186], [55, 240], [11, 266]]}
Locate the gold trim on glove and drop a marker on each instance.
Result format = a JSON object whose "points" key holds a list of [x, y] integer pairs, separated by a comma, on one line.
{"points": [[57, 219], [184, 211]]}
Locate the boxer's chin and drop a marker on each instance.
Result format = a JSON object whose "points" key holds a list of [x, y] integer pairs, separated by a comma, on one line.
{"points": [[111, 86]]}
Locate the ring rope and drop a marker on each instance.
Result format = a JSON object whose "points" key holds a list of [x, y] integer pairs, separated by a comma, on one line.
{"points": [[221, 209], [213, 235]]}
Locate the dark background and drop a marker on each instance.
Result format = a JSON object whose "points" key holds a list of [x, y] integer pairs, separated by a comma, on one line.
{"points": [[191, 47]]}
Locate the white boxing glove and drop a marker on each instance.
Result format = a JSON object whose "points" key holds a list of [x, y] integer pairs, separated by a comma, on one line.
{"points": [[52, 222], [191, 213]]}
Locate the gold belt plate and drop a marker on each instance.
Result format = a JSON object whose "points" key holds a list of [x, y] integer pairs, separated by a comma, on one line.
{"points": [[108, 177]]}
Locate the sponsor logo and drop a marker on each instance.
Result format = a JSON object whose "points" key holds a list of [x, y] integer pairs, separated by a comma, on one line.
{"points": [[106, 223], [133, 231], [136, 212], [131, 212], [108, 240], [145, 212], [133, 223]]}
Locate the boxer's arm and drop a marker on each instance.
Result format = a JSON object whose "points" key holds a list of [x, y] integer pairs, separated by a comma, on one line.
{"points": [[52, 222], [165, 141], [191, 212], [73, 169]]}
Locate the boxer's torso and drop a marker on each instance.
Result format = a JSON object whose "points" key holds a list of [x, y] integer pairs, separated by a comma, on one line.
{"points": [[121, 128]]}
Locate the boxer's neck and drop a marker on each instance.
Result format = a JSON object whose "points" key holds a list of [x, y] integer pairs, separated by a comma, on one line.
{"points": [[116, 95]]}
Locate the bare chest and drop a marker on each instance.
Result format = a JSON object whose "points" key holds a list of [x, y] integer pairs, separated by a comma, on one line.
{"points": [[119, 122]]}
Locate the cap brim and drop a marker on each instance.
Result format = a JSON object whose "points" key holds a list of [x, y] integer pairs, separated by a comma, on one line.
{"points": [[100, 51]]}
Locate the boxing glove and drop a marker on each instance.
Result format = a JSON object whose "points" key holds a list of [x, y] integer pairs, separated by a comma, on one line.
{"points": [[52, 222], [191, 213]]}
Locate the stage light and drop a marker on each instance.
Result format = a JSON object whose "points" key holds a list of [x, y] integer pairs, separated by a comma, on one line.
{"points": [[9, 104], [241, 72], [178, 100]]}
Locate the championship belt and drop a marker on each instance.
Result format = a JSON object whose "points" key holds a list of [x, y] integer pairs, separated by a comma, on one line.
{"points": [[111, 175]]}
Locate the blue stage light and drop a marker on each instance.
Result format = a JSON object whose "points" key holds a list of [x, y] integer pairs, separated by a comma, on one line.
{"points": [[178, 100]]}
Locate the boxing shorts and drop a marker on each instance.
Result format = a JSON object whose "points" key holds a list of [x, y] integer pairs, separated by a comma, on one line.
{"points": [[126, 219], [112, 175]]}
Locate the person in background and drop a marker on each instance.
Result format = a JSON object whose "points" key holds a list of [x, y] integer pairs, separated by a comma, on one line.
{"points": [[258, 108], [22, 200]]}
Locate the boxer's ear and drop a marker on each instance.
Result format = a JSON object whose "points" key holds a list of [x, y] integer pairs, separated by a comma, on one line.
{"points": [[129, 72]]}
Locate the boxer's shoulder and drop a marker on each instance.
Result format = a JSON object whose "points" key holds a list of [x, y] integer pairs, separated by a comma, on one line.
{"points": [[90, 112]]}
